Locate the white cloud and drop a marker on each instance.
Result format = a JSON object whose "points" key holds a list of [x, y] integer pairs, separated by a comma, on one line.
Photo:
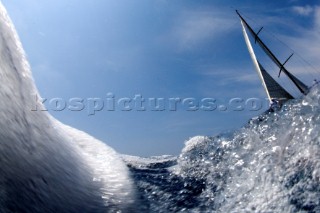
{"points": [[304, 11], [306, 44], [246, 74], [317, 18], [225, 81], [197, 27]]}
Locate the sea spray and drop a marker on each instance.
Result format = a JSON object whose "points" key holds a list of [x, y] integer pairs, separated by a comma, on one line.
{"points": [[272, 164]]}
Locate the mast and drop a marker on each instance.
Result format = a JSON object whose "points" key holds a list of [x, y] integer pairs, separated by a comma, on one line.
{"points": [[299, 84], [254, 60]]}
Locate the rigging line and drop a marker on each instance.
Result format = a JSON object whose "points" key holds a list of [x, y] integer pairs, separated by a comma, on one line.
{"points": [[293, 89], [299, 84], [300, 63], [296, 53], [315, 69], [283, 81], [293, 51]]}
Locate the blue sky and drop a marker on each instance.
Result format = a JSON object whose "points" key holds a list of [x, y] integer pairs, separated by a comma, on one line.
{"points": [[158, 49]]}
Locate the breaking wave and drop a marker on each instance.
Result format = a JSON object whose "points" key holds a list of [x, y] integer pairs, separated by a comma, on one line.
{"points": [[270, 165]]}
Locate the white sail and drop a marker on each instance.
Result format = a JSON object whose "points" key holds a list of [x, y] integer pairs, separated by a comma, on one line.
{"points": [[273, 89], [254, 60]]}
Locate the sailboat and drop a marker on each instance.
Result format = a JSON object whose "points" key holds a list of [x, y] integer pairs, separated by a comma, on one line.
{"points": [[276, 94]]}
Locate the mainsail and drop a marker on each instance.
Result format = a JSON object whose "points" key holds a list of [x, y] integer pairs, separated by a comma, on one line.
{"points": [[299, 84], [272, 88]]}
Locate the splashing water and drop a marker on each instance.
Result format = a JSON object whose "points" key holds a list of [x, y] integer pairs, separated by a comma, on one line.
{"points": [[270, 165]]}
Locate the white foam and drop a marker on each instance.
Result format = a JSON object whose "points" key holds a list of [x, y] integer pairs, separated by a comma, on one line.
{"points": [[271, 165]]}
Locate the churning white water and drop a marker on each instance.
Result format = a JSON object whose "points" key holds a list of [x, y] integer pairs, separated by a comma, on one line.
{"points": [[270, 165]]}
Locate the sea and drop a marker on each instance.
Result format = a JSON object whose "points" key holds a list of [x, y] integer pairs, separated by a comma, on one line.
{"points": [[272, 164]]}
